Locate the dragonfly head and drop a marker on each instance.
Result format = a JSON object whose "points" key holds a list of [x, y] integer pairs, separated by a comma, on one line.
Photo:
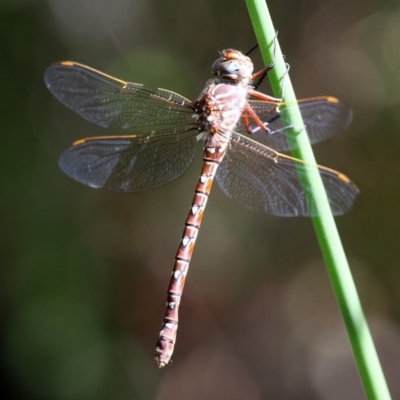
{"points": [[233, 65]]}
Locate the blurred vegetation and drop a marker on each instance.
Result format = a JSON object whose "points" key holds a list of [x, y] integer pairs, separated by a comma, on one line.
{"points": [[84, 272]]}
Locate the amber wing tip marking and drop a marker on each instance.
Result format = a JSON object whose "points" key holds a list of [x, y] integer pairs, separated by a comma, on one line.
{"points": [[343, 177], [79, 142], [332, 99], [67, 63]]}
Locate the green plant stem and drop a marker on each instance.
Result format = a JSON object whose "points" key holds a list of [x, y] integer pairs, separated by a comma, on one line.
{"points": [[325, 228]]}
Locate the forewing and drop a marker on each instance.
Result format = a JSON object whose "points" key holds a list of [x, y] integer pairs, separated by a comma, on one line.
{"points": [[263, 180], [130, 163], [109, 102], [323, 117]]}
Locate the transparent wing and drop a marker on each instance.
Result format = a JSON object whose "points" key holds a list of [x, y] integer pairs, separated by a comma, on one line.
{"points": [[130, 163], [110, 102], [323, 117], [263, 180]]}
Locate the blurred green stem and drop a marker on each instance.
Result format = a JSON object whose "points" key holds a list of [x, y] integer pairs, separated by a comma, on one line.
{"points": [[328, 237]]}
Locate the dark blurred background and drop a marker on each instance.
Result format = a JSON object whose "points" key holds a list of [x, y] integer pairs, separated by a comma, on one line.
{"points": [[84, 271]]}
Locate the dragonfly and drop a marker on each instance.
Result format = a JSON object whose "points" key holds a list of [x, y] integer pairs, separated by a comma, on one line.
{"points": [[242, 130]]}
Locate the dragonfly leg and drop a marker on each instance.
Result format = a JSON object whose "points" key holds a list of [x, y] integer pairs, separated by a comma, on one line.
{"points": [[263, 96], [246, 123], [249, 112], [260, 75]]}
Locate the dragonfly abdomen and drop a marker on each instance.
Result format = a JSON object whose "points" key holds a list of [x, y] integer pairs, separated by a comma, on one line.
{"points": [[167, 337]]}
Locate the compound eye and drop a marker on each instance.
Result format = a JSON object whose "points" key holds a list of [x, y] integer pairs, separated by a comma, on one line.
{"points": [[216, 67], [230, 67], [226, 68]]}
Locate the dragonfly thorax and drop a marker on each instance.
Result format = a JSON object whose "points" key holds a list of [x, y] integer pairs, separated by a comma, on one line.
{"points": [[220, 107]]}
